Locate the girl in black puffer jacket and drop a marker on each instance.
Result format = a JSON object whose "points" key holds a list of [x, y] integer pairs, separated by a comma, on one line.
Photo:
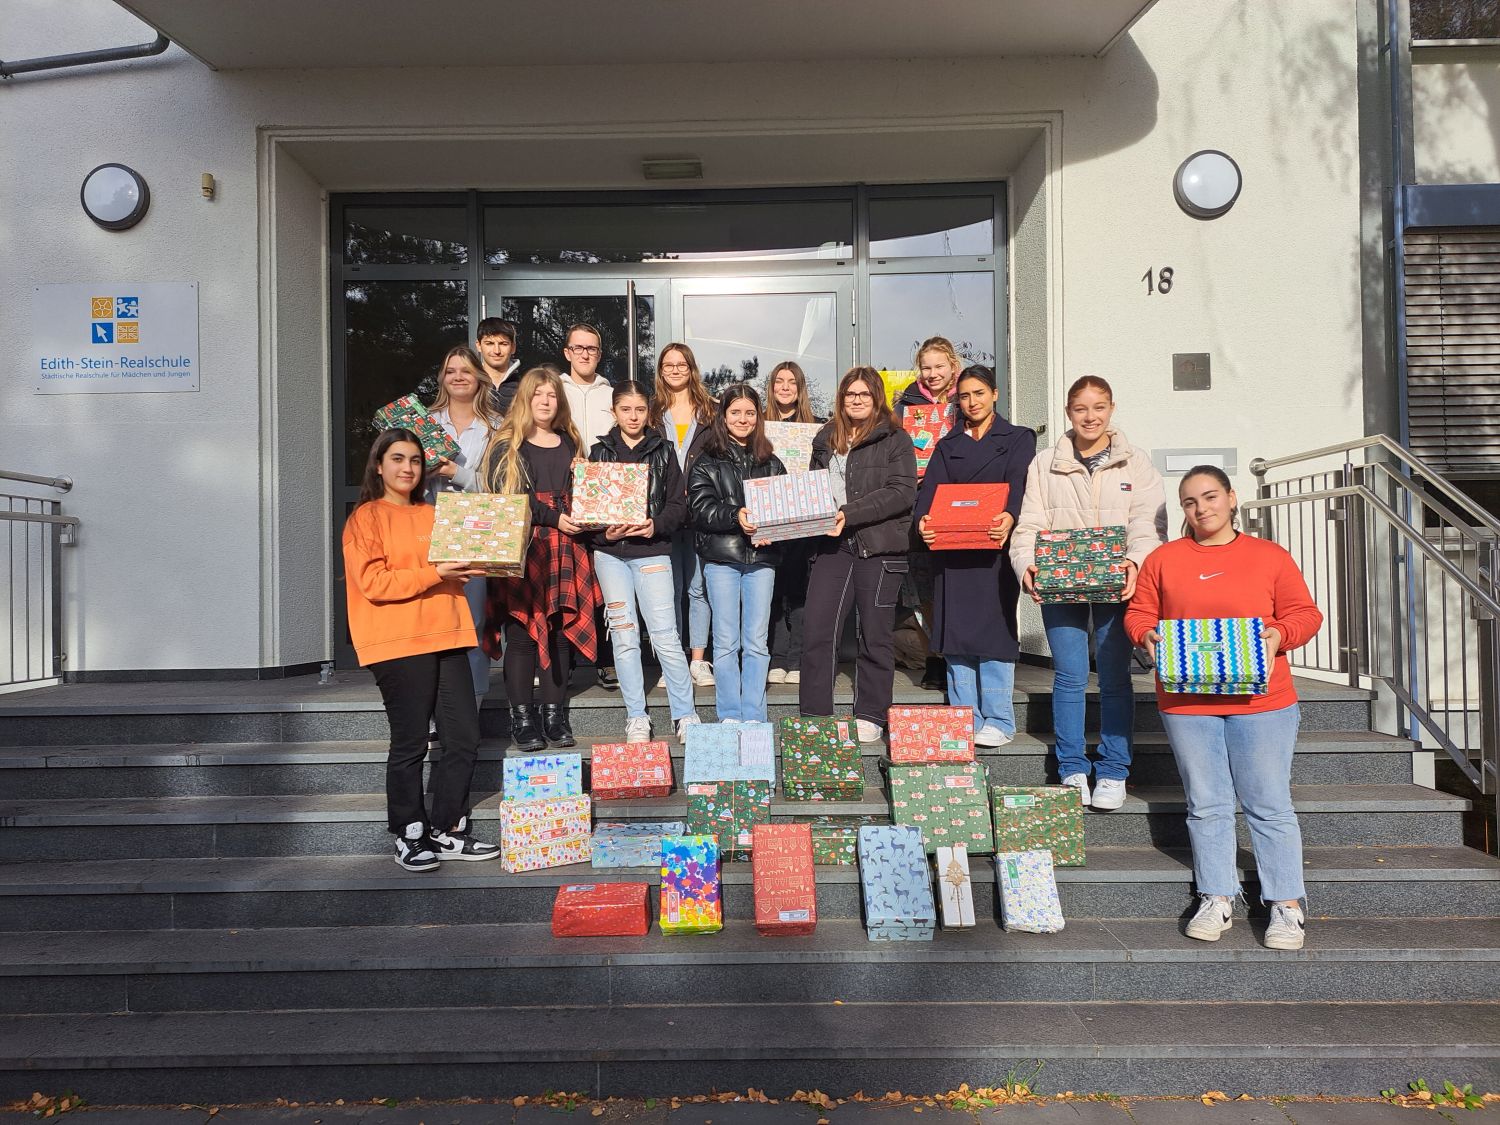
{"points": [[863, 561], [739, 573]]}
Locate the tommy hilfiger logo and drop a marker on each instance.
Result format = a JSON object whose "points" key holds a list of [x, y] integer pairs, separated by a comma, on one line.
{"points": [[1125, 486]]}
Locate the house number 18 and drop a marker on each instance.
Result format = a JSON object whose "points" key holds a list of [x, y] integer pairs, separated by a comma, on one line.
{"points": [[1161, 283]]}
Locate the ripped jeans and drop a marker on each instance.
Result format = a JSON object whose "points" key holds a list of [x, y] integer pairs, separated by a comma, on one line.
{"points": [[647, 582]]}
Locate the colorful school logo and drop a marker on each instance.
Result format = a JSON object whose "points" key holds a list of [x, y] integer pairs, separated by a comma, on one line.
{"points": [[115, 320]]}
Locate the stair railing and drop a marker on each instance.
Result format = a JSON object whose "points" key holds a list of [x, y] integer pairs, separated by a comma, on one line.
{"points": [[1407, 570], [36, 531]]}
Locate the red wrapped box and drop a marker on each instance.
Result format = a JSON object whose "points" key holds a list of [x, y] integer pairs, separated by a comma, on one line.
{"points": [[931, 734], [601, 910], [781, 867], [630, 769], [926, 425], [961, 515]]}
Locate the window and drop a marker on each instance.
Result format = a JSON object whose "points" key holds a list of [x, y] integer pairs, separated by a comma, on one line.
{"points": [[401, 236], [906, 308], [1455, 19], [932, 226]]}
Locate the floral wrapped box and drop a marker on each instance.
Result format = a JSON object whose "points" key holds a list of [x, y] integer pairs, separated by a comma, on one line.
{"points": [[486, 530], [1213, 656], [1076, 565], [896, 884], [795, 506], [786, 894], [601, 910], [1028, 892], [716, 752], [635, 843], [793, 442], [931, 734], [690, 899], [630, 769], [546, 833], [927, 425], [961, 514], [608, 493], [948, 803], [820, 760], [728, 810], [541, 776]]}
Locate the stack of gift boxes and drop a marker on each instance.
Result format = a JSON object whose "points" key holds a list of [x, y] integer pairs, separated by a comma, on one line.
{"points": [[962, 514], [544, 813], [729, 770], [1077, 565], [796, 506], [408, 413]]}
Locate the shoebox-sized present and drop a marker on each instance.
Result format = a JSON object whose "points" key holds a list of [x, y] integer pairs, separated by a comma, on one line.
{"points": [[553, 832], [602, 910], [1085, 564], [608, 493], [541, 776], [1213, 656], [793, 442], [489, 531], [716, 752], [820, 760], [690, 899], [1028, 892], [955, 887], [962, 514], [728, 810], [397, 415], [926, 425], [408, 413], [795, 506], [630, 769], [931, 734], [635, 843], [949, 803], [835, 839], [1032, 817], [896, 884], [786, 893], [758, 749]]}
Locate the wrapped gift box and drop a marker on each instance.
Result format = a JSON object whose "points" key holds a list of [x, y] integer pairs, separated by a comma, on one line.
{"points": [[397, 415], [606, 493], [541, 776], [820, 760], [1078, 565], [896, 884], [547, 833], [786, 895], [1028, 892], [793, 442], [931, 734], [1213, 656], [630, 769], [408, 413], [758, 750], [715, 752], [948, 803], [926, 425], [796, 506], [955, 887], [635, 843], [486, 530], [728, 810], [601, 910], [961, 514], [1031, 818], [835, 839], [690, 901]]}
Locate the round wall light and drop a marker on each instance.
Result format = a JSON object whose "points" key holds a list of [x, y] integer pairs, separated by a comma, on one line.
{"points": [[1207, 184], [115, 197]]}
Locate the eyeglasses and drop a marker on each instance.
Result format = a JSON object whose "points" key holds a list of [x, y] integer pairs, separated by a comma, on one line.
{"points": [[585, 349], [858, 396], [675, 367]]}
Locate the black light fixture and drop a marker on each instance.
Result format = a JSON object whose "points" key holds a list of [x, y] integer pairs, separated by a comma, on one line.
{"points": [[1207, 183], [114, 196]]}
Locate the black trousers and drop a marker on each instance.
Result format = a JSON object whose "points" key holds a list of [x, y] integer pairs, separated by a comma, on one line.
{"points": [[522, 665], [789, 605], [437, 685], [841, 581]]}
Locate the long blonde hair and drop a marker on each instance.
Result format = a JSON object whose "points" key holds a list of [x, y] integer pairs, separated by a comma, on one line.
{"points": [[481, 399], [802, 409], [503, 471], [943, 345], [661, 401]]}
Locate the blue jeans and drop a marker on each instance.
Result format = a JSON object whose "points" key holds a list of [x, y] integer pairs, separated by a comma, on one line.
{"points": [[1249, 757], [687, 574], [740, 596], [987, 687], [1068, 637], [479, 660], [647, 582]]}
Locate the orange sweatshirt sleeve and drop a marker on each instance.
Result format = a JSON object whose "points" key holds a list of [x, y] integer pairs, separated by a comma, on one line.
{"points": [[366, 566], [1297, 617]]}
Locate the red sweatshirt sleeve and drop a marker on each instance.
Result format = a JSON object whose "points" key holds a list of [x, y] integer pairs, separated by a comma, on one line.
{"points": [[1144, 611]]}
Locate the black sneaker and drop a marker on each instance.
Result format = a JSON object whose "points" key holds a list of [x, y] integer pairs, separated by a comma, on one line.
{"points": [[458, 844], [415, 850], [608, 679]]}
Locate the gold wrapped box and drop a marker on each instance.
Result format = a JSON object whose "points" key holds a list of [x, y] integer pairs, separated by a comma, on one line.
{"points": [[489, 531]]}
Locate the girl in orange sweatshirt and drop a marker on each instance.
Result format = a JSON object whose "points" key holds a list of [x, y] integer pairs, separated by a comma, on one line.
{"points": [[1232, 747], [412, 628]]}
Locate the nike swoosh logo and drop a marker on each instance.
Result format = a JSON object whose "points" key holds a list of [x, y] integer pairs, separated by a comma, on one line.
{"points": [[1206, 577]]}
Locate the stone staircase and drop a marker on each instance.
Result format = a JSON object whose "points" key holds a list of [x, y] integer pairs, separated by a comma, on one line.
{"points": [[197, 903]]}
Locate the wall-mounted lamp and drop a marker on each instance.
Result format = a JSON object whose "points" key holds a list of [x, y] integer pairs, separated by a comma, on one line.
{"points": [[114, 196], [672, 168], [1207, 184]]}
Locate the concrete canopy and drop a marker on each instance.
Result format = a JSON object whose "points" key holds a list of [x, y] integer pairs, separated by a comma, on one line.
{"points": [[289, 34]]}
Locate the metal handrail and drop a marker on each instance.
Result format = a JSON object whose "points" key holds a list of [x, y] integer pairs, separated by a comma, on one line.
{"points": [[62, 484]]}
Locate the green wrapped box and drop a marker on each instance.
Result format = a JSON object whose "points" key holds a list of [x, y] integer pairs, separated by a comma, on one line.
{"points": [[728, 810], [835, 839], [820, 760], [1085, 564], [1034, 818], [949, 802]]}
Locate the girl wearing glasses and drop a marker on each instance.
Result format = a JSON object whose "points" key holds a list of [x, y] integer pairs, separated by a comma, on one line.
{"points": [[738, 572], [862, 562], [973, 628], [787, 400]]}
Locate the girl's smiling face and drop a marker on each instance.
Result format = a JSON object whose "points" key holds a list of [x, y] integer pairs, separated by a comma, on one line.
{"points": [[976, 399], [401, 468], [1090, 411], [739, 419], [1207, 505], [631, 413]]}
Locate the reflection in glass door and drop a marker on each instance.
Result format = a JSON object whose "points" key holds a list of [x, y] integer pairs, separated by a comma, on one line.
{"points": [[544, 310]]}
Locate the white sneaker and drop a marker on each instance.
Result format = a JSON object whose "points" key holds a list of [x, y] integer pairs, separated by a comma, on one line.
{"points": [[702, 673], [776, 676], [793, 676], [991, 737], [1109, 793], [1080, 782], [414, 850], [638, 729], [1215, 915], [683, 724], [1288, 928], [868, 731]]}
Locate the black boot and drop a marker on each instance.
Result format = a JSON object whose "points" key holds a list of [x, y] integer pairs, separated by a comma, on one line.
{"points": [[555, 724], [935, 676], [524, 731]]}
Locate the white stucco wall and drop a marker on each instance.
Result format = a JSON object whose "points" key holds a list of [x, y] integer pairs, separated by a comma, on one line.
{"points": [[1455, 93], [204, 550]]}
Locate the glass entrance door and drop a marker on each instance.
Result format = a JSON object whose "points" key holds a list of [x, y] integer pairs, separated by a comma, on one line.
{"points": [[543, 311]]}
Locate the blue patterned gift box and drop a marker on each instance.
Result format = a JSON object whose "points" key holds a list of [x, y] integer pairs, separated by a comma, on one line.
{"points": [[1028, 892], [896, 884], [542, 777], [631, 844], [1213, 656], [721, 752]]}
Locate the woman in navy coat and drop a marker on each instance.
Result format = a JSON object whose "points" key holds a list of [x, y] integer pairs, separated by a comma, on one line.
{"points": [[974, 607]]}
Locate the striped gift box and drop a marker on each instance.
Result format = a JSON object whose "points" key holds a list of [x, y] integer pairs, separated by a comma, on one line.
{"points": [[1213, 656], [795, 506]]}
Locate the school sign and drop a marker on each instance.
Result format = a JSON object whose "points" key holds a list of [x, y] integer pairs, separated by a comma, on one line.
{"points": [[134, 336]]}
